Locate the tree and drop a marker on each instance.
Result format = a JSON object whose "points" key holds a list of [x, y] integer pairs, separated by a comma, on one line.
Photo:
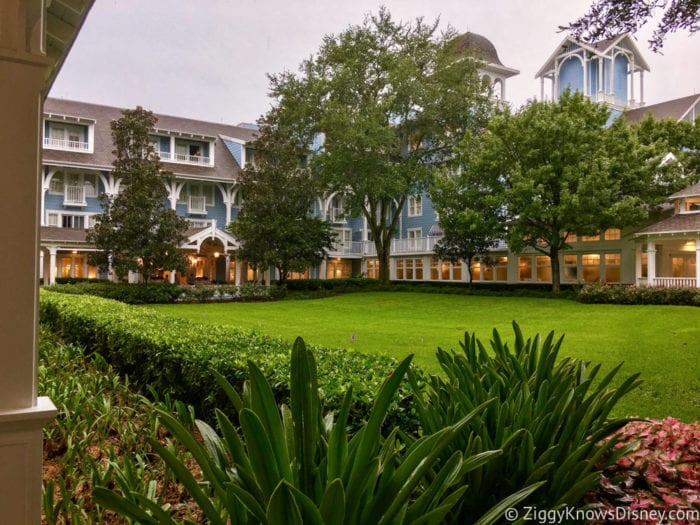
{"points": [[471, 219], [386, 102], [608, 18], [274, 226], [136, 231], [558, 169]]}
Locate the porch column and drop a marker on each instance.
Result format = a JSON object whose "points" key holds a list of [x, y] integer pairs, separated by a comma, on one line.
{"points": [[23, 70], [651, 263], [228, 268], [41, 263], [172, 276], [238, 272], [52, 264], [637, 264], [697, 262], [72, 266]]}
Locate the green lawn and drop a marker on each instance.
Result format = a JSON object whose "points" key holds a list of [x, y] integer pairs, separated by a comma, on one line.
{"points": [[661, 342]]}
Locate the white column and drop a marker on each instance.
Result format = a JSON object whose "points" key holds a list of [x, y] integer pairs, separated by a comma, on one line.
{"points": [[52, 264], [23, 70], [637, 263], [697, 262], [238, 272], [228, 267], [586, 89], [41, 263], [72, 266], [86, 268], [651, 263], [172, 276], [641, 87], [632, 82], [542, 88]]}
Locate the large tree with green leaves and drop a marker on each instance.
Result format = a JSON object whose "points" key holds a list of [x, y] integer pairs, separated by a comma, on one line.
{"points": [[608, 18], [274, 227], [471, 218], [560, 169], [386, 102], [137, 231]]}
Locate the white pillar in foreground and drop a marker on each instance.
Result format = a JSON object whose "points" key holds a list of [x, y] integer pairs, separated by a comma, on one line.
{"points": [[651, 263], [23, 72], [697, 262]]}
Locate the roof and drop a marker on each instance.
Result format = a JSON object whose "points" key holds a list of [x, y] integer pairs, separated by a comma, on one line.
{"points": [[483, 49], [679, 223], [690, 191], [600, 48], [226, 167], [54, 233], [676, 109], [64, 18]]}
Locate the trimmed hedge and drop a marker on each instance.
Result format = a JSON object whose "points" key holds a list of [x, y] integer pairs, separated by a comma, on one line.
{"points": [[175, 356], [622, 294]]}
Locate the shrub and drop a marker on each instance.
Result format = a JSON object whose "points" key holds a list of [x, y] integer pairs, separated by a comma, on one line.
{"points": [[288, 464], [622, 294], [176, 356], [549, 418], [150, 293], [660, 471]]}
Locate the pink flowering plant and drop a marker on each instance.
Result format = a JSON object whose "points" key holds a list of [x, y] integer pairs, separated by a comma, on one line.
{"points": [[660, 471]]}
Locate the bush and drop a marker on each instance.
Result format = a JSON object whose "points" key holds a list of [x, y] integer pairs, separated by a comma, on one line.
{"points": [[660, 471], [289, 464], [176, 357], [150, 293], [549, 418], [621, 294]]}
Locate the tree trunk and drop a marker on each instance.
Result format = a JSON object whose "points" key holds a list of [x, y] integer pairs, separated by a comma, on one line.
{"points": [[556, 274], [383, 249]]}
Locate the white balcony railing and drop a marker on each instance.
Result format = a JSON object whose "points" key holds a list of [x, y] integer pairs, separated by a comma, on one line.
{"points": [[74, 196], [184, 159], [347, 248], [197, 205], [70, 145], [199, 223], [419, 245]]}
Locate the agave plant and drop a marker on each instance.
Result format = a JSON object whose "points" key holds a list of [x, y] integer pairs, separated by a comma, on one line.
{"points": [[550, 419], [289, 464]]}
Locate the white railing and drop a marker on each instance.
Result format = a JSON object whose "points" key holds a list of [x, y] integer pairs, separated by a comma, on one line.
{"points": [[199, 223], [419, 245], [74, 196], [196, 204], [71, 145], [347, 248], [192, 159], [674, 282]]}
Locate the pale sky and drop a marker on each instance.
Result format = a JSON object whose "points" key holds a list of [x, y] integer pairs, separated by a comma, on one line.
{"points": [[209, 59]]}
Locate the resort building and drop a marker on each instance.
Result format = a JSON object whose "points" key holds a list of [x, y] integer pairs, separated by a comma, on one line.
{"points": [[206, 160]]}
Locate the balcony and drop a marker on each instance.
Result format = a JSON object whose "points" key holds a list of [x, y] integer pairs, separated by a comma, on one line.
{"points": [[418, 245], [348, 248], [182, 158], [197, 205], [68, 145], [74, 196]]}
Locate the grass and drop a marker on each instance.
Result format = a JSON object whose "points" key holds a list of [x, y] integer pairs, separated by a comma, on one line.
{"points": [[661, 342]]}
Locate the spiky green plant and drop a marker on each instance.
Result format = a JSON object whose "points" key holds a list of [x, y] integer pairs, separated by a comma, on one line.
{"points": [[289, 464], [549, 418]]}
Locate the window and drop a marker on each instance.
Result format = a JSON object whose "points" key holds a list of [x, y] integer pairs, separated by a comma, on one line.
{"points": [[612, 234], [409, 269], [373, 269], [590, 267], [476, 270], [52, 219], [62, 135], [590, 238], [544, 268], [343, 240], [691, 204], [73, 221], [612, 267], [192, 152], [415, 206], [571, 238], [414, 237], [337, 211], [338, 269], [645, 264], [56, 184], [197, 195], [524, 268], [571, 268]]}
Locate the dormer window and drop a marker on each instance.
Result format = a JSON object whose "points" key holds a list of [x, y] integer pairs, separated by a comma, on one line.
{"points": [[192, 152], [691, 205], [66, 136]]}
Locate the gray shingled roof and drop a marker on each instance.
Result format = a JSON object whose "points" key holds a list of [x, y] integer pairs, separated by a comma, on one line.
{"points": [[679, 223], [53, 233], [675, 109], [690, 191], [482, 47], [226, 167]]}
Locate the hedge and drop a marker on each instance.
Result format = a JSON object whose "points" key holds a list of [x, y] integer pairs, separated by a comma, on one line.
{"points": [[622, 294], [175, 356]]}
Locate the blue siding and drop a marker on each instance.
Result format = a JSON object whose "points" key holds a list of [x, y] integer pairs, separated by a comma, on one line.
{"points": [[236, 150], [571, 75], [620, 72]]}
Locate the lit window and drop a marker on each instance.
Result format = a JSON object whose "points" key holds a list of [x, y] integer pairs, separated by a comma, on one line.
{"points": [[692, 204], [524, 268], [570, 268], [544, 268], [590, 267], [476, 270], [434, 272], [590, 238], [571, 238], [612, 234], [612, 267]]}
